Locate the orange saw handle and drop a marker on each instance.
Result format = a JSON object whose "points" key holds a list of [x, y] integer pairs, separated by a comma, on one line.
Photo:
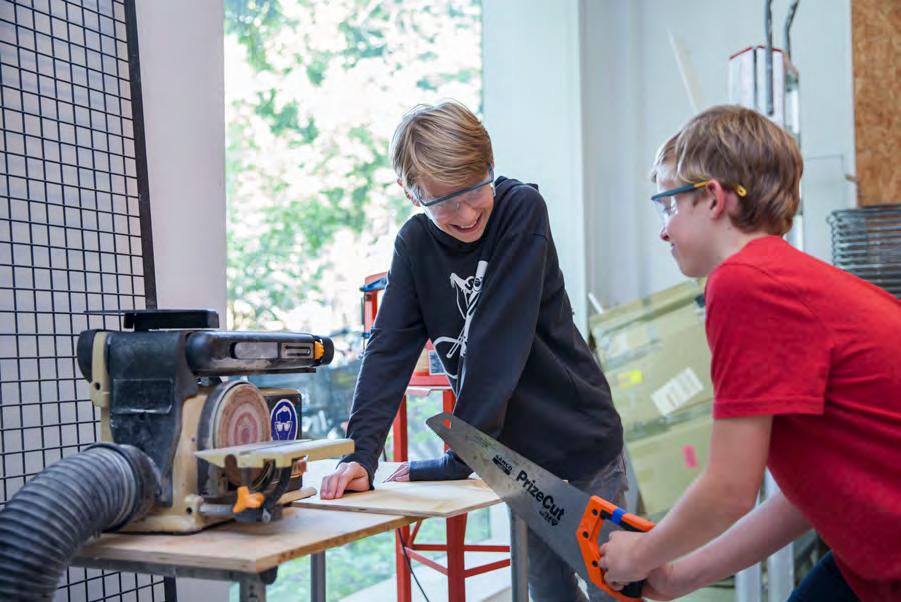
{"points": [[597, 511]]}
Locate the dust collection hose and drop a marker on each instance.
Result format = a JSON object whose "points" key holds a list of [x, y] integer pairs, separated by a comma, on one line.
{"points": [[55, 513]]}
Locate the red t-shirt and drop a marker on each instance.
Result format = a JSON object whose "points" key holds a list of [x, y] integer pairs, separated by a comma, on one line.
{"points": [[820, 350]]}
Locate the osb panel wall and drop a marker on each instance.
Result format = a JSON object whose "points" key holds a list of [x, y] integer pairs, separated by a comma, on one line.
{"points": [[876, 40]]}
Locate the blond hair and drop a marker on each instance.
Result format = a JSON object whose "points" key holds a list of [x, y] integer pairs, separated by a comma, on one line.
{"points": [[738, 146], [446, 142]]}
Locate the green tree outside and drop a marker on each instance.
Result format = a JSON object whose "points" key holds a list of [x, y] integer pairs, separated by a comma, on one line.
{"points": [[314, 89]]}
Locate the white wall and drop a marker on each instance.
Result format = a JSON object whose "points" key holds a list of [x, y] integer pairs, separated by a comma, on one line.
{"points": [[182, 71], [532, 92], [636, 98], [598, 113]]}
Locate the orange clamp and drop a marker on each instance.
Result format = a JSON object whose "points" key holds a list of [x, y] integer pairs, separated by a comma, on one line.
{"points": [[247, 500], [589, 530]]}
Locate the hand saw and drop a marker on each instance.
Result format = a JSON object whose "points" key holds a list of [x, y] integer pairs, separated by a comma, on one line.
{"points": [[567, 519]]}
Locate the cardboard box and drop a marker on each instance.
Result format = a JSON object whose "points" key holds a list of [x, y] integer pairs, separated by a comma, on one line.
{"points": [[655, 356], [654, 353], [666, 463]]}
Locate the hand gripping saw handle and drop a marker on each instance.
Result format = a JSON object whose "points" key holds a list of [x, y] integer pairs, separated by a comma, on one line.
{"points": [[597, 511]]}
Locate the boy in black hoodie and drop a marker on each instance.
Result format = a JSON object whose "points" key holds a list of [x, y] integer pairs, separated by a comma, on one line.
{"points": [[477, 273]]}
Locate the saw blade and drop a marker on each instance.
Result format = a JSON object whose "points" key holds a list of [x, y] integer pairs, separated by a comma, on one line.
{"points": [[550, 506]]}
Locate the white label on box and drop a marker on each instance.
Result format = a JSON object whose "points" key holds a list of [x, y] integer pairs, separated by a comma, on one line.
{"points": [[677, 392]]}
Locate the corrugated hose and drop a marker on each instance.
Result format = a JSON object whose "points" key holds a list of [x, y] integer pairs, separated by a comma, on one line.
{"points": [[70, 501]]}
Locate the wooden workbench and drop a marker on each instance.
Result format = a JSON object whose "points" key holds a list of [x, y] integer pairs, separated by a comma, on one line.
{"points": [[245, 547], [246, 553], [251, 553]]}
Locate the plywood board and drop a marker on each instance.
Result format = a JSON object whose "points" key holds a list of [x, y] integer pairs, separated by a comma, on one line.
{"points": [[244, 547], [422, 499]]}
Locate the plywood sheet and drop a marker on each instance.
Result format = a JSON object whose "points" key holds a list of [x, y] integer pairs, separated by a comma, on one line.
{"points": [[423, 499], [248, 548]]}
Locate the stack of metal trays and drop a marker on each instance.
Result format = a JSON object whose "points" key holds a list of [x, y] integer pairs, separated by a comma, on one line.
{"points": [[867, 242]]}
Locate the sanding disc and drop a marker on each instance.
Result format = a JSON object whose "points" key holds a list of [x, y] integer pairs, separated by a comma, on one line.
{"points": [[241, 417]]}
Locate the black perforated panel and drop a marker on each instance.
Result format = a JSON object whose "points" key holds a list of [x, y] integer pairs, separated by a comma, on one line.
{"points": [[73, 217]]}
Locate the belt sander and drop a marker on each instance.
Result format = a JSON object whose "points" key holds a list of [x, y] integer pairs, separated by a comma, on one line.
{"points": [[220, 449]]}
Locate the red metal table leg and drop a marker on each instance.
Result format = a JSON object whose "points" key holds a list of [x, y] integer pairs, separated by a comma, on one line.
{"points": [[456, 565], [402, 535], [404, 591], [456, 534], [448, 400], [399, 430]]}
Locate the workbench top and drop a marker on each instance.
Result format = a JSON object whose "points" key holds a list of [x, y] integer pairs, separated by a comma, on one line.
{"points": [[311, 526], [244, 547]]}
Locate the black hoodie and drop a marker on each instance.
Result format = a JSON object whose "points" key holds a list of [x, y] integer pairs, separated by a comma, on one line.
{"points": [[501, 321]]}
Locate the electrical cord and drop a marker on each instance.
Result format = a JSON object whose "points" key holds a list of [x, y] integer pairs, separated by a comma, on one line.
{"points": [[403, 548]]}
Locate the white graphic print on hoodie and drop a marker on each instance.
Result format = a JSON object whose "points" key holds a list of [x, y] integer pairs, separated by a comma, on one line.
{"points": [[468, 291]]}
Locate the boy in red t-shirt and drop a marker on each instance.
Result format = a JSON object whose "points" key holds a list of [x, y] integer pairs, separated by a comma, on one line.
{"points": [[806, 373]]}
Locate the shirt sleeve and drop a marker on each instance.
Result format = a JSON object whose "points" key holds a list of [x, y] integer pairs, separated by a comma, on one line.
{"points": [[396, 340], [770, 352], [502, 331]]}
